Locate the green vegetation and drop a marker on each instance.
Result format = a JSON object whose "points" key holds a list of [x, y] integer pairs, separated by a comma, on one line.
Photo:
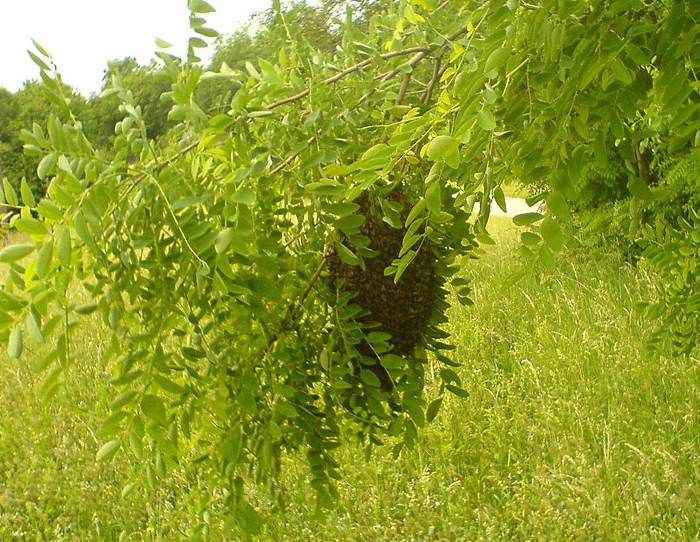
{"points": [[568, 434], [226, 228]]}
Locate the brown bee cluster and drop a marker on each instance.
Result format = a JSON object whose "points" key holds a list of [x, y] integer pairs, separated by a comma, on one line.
{"points": [[402, 309]]}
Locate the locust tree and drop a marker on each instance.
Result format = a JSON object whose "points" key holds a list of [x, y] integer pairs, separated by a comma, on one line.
{"points": [[208, 256]]}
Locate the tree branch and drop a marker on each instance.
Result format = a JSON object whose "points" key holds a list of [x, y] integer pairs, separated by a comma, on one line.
{"points": [[291, 158], [160, 166], [291, 316], [414, 61], [337, 77], [428, 93]]}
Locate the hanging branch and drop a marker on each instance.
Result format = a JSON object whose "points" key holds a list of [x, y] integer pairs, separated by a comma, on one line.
{"points": [[419, 54], [293, 309]]}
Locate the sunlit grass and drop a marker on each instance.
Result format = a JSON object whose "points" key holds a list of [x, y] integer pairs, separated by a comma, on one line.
{"points": [[568, 434]]}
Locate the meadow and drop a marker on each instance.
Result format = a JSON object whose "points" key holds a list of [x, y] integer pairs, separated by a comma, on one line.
{"points": [[568, 433]]}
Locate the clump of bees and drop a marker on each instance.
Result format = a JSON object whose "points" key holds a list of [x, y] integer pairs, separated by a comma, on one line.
{"points": [[402, 309]]}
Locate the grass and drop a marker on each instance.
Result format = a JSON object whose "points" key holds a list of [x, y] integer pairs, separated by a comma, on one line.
{"points": [[568, 434], [515, 189]]}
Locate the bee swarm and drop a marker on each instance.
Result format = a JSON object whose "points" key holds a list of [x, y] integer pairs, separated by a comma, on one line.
{"points": [[402, 309]]}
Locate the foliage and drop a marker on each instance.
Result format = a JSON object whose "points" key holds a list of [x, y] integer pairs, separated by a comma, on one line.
{"points": [[672, 249], [566, 432], [146, 90], [21, 110], [206, 258]]}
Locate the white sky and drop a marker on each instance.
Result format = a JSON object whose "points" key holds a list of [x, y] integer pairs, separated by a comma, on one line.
{"points": [[82, 35]]}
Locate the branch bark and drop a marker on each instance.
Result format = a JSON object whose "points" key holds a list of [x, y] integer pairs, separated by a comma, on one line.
{"points": [[337, 77], [291, 316]]}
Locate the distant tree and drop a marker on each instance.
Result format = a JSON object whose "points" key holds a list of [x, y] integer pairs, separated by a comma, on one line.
{"points": [[147, 90], [27, 106]]}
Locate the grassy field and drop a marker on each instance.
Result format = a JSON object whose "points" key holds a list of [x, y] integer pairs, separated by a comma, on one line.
{"points": [[568, 434]]}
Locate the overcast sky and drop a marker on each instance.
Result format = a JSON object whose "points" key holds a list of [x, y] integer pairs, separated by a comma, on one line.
{"points": [[82, 35]]}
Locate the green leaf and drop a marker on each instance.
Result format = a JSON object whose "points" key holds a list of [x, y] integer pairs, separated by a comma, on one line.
{"points": [[27, 196], [49, 210], [440, 146], [168, 385], [14, 345], [244, 195], [34, 327], [527, 219], [417, 414], [486, 120], [286, 409], [223, 240], [41, 49], [349, 223], [496, 59], [246, 399], [108, 451], [639, 189], [562, 182], [448, 375], [43, 259], [152, 406], [378, 337], [459, 392], [340, 209], [552, 234], [64, 248], [14, 253], [38, 61], [123, 399], [86, 309], [208, 32], [433, 197], [513, 278], [162, 44], [392, 361], [345, 254], [433, 409], [369, 378], [528, 238], [197, 43], [637, 55], [46, 165], [31, 225], [10, 194], [500, 198], [556, 203], [200, 6]]}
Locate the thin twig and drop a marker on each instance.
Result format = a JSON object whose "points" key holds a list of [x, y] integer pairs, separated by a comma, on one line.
{"points": [[428, 93], [291, 316], [308, 289], [404, 87], [402, 94], [413, 62], [160, 166], [352, 69], [291, 158]]}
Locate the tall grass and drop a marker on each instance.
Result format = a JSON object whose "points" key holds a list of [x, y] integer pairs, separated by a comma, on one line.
{"points": [[568, 434]]}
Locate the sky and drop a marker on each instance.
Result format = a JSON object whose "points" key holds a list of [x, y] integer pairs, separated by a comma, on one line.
{"points": [[82, 35]]}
